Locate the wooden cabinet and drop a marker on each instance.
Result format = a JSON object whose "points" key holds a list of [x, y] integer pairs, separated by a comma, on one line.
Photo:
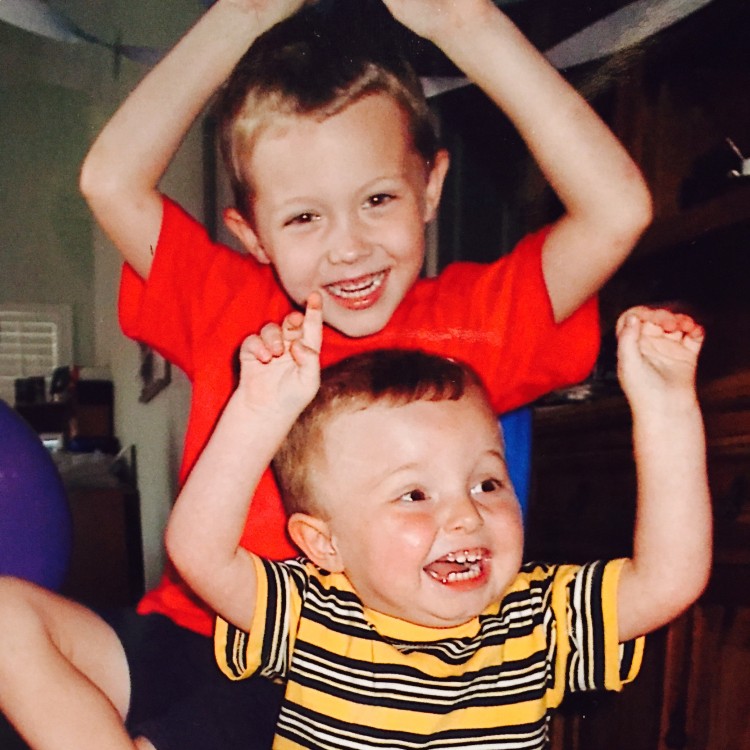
{"points": [[693, 689], [106, 566]]}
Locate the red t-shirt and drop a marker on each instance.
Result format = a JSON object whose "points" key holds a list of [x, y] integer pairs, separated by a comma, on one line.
{"points": [[202, 299]]}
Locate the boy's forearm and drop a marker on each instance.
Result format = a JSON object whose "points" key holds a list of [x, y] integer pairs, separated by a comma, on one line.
{"points": [[121, 173], [206, 523], [606, 200], [673, 532]]}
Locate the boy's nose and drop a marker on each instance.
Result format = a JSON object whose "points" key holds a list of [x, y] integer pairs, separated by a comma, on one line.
{"points": [[349, 244], [462, 515]]}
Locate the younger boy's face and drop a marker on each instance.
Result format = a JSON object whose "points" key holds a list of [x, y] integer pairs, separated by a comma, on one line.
{"points": [[340, 207], [420, 507]]}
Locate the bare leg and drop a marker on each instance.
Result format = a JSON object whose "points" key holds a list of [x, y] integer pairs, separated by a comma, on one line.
{"points": [[64, 680]]}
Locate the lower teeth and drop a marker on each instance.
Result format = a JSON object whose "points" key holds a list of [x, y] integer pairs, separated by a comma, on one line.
{"points": [[464, 575]]}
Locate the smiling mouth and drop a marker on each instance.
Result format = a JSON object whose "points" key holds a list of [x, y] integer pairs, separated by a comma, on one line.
{"points": [[360, 292], [457, 567]]}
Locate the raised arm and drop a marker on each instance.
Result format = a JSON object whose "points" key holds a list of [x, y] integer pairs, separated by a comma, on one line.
{"points": [[121, 172], [280, 373], [671, 560], [607, 204]]}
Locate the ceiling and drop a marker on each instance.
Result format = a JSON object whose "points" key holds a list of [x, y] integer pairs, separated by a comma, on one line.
{"points": [[144, 22], [545, 22], [140, 22]]}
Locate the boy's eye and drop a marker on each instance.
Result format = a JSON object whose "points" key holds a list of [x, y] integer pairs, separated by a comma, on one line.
{"points": [[413, 496], [487, 486], [374, 201], [304, 218]]}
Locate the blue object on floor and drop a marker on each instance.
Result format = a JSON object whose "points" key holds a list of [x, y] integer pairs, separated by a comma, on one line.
{"points": [[517, 432], [35, 523]]}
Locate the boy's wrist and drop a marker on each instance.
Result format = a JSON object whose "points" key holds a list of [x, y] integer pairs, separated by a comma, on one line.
{"points": [[462, 21], [668, 408], [258, 17], [273, 415]]}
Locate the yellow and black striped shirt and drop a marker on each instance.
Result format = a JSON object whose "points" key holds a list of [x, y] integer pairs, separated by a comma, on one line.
{"points": [[359, 679]]}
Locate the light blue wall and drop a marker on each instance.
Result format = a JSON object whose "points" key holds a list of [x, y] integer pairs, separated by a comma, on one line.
{"points": [[46, 229], [54, 99]]}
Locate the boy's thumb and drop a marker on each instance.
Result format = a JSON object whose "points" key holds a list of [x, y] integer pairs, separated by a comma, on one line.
{"points": [[627, 336]]}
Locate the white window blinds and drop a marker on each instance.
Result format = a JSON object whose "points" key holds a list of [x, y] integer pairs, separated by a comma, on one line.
{"points": [[34, 340]]}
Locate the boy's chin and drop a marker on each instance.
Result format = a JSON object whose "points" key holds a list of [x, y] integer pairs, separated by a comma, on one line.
{"points": [[358, 324], [357, 333]]}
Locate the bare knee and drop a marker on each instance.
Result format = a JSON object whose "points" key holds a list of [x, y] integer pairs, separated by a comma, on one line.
{"points": [[21, 624], [46, 633], [10, 586], [18, 602], [21, 611], [16, 592]]}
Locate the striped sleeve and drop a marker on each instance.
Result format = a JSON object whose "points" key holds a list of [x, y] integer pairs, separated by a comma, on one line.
{"points": [[266, 648], [595, 659]]}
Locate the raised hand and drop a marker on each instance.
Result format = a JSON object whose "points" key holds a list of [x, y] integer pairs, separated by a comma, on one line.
{"points": [[657, 352], [269, 11], [280, 365], [428, 18]]}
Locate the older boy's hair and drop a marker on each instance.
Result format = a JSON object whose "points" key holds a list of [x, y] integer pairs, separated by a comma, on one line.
{"points": [[391, 376], [308, 65]]}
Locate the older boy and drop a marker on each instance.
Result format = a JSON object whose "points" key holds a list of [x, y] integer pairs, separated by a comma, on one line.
{"points": [[336, 173], [411, 626], [333, 194]]}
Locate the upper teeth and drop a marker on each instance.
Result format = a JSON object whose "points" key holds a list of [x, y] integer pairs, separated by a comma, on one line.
{"points": [[463, 557], [358, 287]]}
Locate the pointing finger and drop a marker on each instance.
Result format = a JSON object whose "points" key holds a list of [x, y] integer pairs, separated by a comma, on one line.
{"points": [[312, 326]]}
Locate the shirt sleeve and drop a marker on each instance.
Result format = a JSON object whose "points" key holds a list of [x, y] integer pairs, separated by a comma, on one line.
{"points": [[266, 648], [588, 653], [505, 328], [184, 279]]}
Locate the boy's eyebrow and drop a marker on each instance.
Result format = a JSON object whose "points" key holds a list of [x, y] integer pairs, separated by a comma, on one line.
{"points": [[304, 200], [494, 453], [500, 456]]}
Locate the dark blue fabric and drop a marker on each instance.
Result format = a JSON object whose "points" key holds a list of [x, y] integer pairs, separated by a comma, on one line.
{"points": [[517, 431], [179, 698]]}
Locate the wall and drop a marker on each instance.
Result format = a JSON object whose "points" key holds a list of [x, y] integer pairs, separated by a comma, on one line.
{"points": [[54, 98], [45, 235]]}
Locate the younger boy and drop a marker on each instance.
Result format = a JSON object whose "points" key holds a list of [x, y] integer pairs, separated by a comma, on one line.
{"points": [[409, 624], [336, 171]]}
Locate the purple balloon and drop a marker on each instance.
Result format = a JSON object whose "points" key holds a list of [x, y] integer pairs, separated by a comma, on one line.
{"points": [[35, 523]]}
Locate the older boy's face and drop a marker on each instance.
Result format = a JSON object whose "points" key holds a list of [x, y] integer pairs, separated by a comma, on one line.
{"points": [[420, 507], [340, 207]]}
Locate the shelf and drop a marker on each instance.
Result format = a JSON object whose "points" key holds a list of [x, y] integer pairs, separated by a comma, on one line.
{"points": [[728, 210]]}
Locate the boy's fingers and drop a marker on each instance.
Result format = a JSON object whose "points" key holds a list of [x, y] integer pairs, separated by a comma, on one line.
{"points": [[671, 324], [640, 312], [271, 336], [630, 318], [693, 343], [253, 347], [698, 332], [674, 335], [292, 323], [684, 322], [627, 338], [690, 327], [312, 327]]}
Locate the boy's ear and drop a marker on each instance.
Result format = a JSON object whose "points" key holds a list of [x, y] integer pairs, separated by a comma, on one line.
{"points": [[435, 181], [239, 226], [313, 536]]}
